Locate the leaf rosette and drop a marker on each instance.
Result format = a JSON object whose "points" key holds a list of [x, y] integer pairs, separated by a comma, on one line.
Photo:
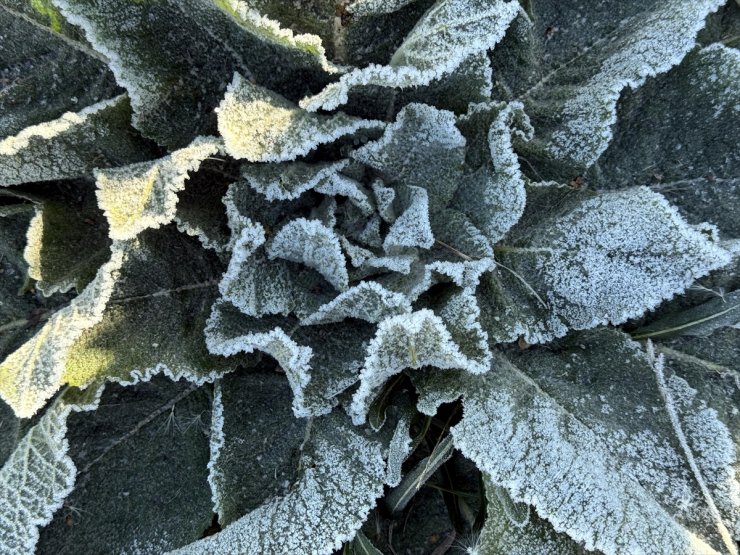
{"points": [[331, 273]]}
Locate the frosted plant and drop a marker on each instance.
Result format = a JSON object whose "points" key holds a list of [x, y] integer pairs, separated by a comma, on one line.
{"points": [[376, 276]]}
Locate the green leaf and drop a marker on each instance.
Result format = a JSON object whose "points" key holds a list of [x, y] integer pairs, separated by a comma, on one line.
{"points": [[450, 32], [620, 461], [34, 42], [590, 262], [71, 146], [579, 60], [67, 239], [163, 273], [38, 475], [423, 149], [245, 470], [493, 197], [261, 126], [173, 89], [141, 481], [144, 195], [691, 159], [32, 373], [320, 362], [342, 476], [367, 301], [515, 529], [313, 244], [291, 180], [406, 341]]}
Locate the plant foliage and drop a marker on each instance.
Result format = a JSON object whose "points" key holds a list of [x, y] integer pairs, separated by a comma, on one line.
{"points": [[376, 276]]}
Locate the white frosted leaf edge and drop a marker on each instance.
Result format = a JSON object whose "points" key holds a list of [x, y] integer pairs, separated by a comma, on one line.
{"points": [[450, 32]]}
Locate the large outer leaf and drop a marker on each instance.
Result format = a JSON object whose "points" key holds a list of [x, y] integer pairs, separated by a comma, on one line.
{"points": [[606, 448], [33, 373], [677, 133], [38, 475], [579, 58], [605, 259], [71, 146], [175, 85], [515, 529], [15, 308], [167, 274], [342, 476], [320, 362], [141, 483], [47, 73], [245, 470], [450, 32]]}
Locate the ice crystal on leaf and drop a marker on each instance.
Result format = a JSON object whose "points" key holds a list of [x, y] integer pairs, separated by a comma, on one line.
{"points": [[376, 276]]}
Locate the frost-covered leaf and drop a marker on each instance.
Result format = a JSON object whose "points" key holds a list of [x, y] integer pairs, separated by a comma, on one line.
{"points": [[450, 32], [144, 195], [399, 448], [245, 470], [579, 59], [701, 320], [38, 475], [33, 372], [71, 146], [320, 362], [33, 43], [461, 314], [261, 126], [412, 228], [617, 460], [342, 475], [423, 148], [406, 341], [127, 342], [173, 88], [691, 159], [603, 259], [373, 7], [141, 484], [313, 244], [493, 197], [399, 496], [470, 83], [289, 181], [679, 127], [367, 301], [67, 240], [353, 190], [197, 214], [516, 529]]}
